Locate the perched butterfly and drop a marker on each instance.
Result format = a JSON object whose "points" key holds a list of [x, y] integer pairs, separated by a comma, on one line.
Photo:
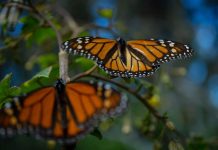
{"points": [[64, 112], [137, 58]]}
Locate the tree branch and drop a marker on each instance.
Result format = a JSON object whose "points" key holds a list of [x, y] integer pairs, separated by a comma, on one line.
{"points": [[63, 65], [86, 73], [63, 56]]}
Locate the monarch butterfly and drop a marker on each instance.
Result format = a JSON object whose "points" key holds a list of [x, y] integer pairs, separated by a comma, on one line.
{"points": [[64, 112], [136, 58]]}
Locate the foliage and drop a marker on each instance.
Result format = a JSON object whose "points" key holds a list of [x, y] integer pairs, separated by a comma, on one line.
{"points": [[6, 91]]}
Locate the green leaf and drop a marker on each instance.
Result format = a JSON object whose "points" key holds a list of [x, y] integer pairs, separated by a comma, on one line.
{"points": [[44, 78], [103, 73], [106, 13], [84, 63], [175, 146], [5, 82], [97, 133], [6, 91], [41, 36], [44, 73], [29, 22], [14, 91], [84, 33]]}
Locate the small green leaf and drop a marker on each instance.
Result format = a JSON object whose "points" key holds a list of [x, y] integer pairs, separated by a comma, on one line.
{"points": [[103, 73], [44, 78], [97, 133], [3, 101], [106, 13], [5, 82], [14, 91], [175, 146], [84, 63], [44, 73], [6, 91], [29, 22], [8, 94], [84, 33], [41, 36]]}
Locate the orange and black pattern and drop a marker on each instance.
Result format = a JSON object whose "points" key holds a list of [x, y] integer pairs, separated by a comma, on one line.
{"points": [[64, 112], [136, 58]]}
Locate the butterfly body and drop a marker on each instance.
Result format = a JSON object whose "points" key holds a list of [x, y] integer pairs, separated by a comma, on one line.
{"points": [[135, 58], [62, 102], [122, 48], [64, 112]]}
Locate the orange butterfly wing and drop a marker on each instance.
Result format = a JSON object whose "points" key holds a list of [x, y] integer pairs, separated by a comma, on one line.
{"points": [[31, 114], [155, 52], [141, 57], [45, 113], [93, 48], [90, 103], [107, 54]]}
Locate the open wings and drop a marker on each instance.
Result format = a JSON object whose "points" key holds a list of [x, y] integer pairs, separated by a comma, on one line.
{"points": [[141, 58], [43, 114], [108, 56]]}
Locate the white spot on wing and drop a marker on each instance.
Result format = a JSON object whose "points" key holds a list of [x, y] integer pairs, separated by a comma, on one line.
{"points": [[171, 44], [79, 47], [173, 50], [66, 43]]}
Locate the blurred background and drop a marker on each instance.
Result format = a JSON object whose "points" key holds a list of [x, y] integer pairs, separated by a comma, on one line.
{"points": [[185, 90]]}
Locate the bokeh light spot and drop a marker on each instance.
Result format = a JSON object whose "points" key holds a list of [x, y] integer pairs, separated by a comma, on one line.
{"points": [[213, 89], [198, 71]]}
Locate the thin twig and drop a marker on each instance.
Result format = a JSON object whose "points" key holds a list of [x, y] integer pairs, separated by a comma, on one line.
{"points": [[12, 44], [19, 5], [30, 7], [86, 73], [23, 6]]}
